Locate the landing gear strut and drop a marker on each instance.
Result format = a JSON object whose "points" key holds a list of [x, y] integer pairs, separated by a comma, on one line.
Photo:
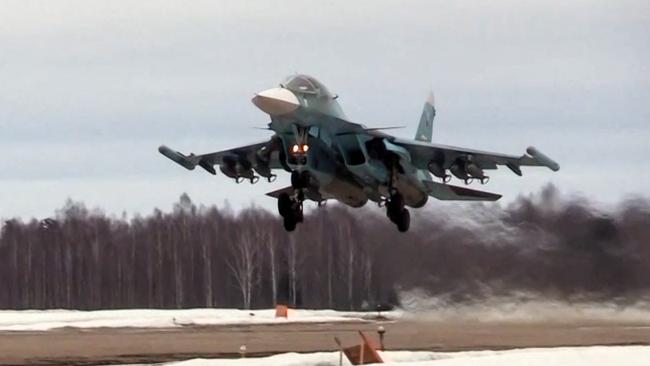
{"points": [[290, 206], [397, 213], [395, 209], [299, 180]]}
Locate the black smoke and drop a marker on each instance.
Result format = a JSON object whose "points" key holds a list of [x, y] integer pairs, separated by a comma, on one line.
{"points": [[547, 245]]}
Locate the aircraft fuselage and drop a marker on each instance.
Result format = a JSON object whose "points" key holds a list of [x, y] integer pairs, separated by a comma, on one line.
{"points": [[337, 161]]}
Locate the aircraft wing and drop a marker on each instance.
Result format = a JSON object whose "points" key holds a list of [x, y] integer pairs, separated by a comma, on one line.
{"points": [[262, 157], [422, 153]]}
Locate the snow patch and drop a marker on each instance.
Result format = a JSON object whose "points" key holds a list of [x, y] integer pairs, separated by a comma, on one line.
{"points": [[565, 356], [41, 320]]}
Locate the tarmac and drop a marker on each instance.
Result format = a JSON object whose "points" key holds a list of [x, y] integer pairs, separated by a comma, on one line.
{"points": [[103, 346]]}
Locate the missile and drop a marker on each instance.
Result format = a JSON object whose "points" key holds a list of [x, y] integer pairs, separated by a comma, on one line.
{"points": [[458, 171], [438, 171], [238, 168], [187, 162], [229, 166], [228, 171], [543, 159], [474, 171], [262, 168]]}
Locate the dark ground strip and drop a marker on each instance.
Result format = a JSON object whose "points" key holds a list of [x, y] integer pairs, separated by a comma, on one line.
{"points": [[97, 346]]}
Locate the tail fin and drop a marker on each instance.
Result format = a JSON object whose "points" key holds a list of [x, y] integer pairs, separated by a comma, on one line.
{"points": [[425, 128]]}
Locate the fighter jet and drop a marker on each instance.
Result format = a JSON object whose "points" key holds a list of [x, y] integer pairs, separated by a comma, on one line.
{"points": [[331, 157]]}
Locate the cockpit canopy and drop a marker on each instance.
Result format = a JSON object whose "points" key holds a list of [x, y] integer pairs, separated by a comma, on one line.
{"points": [[305, 84]]}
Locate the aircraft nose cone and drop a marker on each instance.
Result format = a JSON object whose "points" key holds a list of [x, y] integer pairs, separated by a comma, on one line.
{"points": [[276, 101]]}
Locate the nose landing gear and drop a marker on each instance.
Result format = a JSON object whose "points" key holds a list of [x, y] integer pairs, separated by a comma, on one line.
{"points": [[299, 180], [290, 207]]}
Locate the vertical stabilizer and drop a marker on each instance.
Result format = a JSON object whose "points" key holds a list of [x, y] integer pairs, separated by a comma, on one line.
{"points": [[425, 128]]}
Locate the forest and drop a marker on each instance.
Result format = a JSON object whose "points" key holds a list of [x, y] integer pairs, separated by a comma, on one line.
{"points": [[548, 244]]}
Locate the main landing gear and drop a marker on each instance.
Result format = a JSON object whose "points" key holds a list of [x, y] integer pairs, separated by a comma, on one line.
{"points": [[396, 211], [290, 206], [290, 209]]}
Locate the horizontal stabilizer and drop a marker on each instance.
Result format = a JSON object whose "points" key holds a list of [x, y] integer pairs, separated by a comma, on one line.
{"points": [[448, 192], [370, 129], [275, 194], [187, 162], [310, 194]]}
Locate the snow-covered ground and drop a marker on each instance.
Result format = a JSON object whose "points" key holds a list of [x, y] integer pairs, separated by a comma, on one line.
{"points": [[565, 356], [34, 320]]}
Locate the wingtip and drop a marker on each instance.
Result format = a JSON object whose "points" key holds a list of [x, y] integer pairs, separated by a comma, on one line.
{"points": [[543, 159]]}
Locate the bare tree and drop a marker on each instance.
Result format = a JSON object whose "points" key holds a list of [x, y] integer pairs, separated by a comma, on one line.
{"points": [[544, 244], [271, 240], [244, 260]]}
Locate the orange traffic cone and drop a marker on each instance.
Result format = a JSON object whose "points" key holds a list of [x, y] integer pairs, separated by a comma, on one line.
{"points": [[281, 311]]}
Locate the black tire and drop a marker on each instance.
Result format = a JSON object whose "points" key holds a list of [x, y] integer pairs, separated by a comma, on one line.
{"points": [[393, 215], [289, 223], [404, 221], [284, 205]]}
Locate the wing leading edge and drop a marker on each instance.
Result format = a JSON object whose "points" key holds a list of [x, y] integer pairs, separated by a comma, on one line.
{"points": [[424, 153], [239, 162]]}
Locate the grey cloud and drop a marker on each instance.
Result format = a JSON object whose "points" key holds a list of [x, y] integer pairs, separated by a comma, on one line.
{"points": [[89, 89]]}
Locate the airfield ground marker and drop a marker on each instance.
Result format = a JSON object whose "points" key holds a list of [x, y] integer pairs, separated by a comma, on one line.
{"points": [[361, 354]]}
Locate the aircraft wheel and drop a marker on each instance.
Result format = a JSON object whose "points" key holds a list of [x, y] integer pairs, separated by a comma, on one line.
{"points": [[404, 221], [392, 214], [289, 223], [284, 205]]}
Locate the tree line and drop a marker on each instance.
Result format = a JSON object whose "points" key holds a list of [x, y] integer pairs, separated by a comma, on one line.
{"points": [[546, 245]]}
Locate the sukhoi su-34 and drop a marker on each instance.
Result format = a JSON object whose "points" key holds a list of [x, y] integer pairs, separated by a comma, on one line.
{"points": [[330, 157]]}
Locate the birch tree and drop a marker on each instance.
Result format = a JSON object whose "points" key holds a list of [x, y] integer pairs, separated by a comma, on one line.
{"points": [[244, 259]]}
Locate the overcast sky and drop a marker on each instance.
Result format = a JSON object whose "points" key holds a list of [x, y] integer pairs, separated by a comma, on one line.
{"points": [[89, 89]]}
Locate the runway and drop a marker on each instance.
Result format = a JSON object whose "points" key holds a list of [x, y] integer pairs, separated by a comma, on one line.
{"points": [[96, 346]]}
